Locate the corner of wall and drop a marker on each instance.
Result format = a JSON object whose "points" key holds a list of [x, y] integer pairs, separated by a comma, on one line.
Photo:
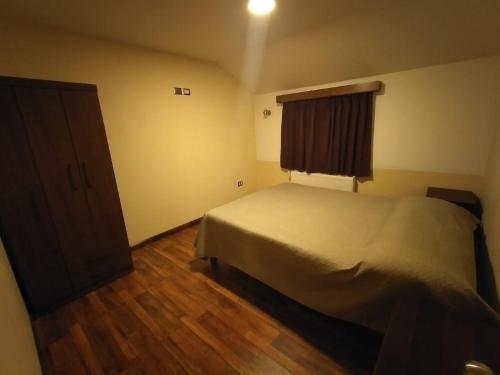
{"points": [[17, 344], [491, 204]]}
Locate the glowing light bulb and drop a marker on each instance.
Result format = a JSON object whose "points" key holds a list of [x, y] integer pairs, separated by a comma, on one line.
{"points": [[261, 7]]}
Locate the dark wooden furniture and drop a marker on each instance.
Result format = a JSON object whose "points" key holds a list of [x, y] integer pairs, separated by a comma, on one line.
{"points": [[60, 214], [463, 198], [357, 88], [424, 338]]}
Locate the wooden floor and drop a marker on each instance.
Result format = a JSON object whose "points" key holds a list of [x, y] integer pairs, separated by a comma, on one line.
{"points": [[175, 315]]}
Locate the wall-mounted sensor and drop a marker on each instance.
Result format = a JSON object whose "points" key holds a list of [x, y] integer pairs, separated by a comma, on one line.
{"points": [[186, 91], [177, 91]]}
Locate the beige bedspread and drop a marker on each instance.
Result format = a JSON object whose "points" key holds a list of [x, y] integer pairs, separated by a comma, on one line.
{"points": [[349, 255]]}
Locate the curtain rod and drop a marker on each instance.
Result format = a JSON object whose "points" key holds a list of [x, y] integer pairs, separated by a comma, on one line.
{"points": [[331, 91]]}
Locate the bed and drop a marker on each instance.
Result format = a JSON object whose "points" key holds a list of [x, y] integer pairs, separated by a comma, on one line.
{"points": [[348, 255]]}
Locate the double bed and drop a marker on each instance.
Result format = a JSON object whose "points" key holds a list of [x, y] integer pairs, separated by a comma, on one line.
{"points": [[348, 255]]}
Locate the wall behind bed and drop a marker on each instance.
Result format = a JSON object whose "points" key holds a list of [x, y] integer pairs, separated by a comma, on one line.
{"points": [[492, 207], [174, 156], [433, 126]]}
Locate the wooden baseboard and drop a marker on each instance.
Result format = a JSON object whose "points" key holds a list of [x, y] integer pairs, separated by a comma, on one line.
{"points": [[163, 234]]}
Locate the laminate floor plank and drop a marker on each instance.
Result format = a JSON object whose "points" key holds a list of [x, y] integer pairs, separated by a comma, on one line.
{"points": [[236, 342], [105, 347], [202, 358], [64, 358], [86, 351], [176, 315]]}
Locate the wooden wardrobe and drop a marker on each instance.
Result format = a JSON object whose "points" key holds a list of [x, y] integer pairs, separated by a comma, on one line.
{"points": [[60, 216]]}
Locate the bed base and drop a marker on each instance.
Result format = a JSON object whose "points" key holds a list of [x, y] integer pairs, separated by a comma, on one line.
{"points": [[214, 262]]}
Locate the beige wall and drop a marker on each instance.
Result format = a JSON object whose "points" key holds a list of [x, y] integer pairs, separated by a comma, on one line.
{"points": [[18, 354], [387, 182], [432, 126], [391, 182], [174, 157], [491, 203], [269, 173]]}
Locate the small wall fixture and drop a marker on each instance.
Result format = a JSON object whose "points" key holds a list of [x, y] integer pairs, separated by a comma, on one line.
{"points": [[266, 112], [182, 91]]}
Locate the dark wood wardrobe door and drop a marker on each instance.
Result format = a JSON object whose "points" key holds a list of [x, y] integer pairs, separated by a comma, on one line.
{"points": [[58, 168], [25, 223], [89, 136]]}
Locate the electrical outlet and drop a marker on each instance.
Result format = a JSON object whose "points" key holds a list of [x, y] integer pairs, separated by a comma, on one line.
{"points": [[240, 183]]}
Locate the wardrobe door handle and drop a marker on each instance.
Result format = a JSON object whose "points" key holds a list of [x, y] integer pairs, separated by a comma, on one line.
{"points": [[71, 180], [37, 216], [86, 176]]}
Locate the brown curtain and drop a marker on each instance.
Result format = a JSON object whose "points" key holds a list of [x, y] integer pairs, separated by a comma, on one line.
{"points": [[328, 135]]}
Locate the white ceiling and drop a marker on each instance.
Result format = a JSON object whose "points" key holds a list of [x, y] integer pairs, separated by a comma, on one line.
{"points": [[304, 42]]}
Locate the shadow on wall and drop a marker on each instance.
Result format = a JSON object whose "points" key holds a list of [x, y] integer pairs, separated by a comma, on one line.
{"points": [[486, 285]]}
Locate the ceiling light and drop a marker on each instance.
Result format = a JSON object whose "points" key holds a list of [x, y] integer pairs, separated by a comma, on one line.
{"points": [[261, 7]]}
